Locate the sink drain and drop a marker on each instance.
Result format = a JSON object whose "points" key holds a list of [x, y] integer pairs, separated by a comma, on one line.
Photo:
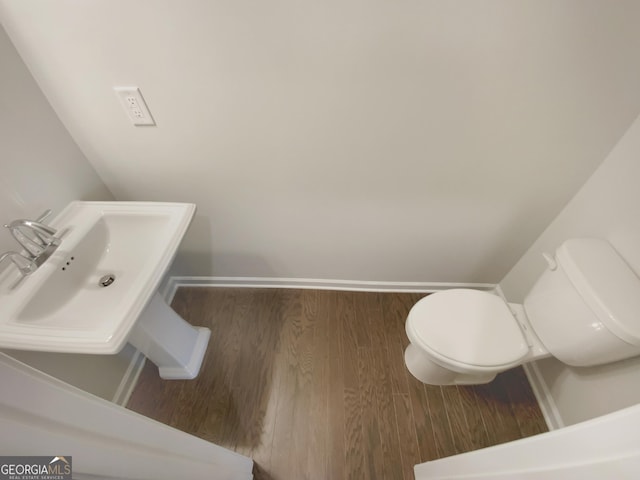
{"points": [[107, 280]]}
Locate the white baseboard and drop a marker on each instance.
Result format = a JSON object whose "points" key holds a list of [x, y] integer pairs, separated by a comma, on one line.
{"points": [[540, 389], [546, 402], [175, 282], [129, 380]]}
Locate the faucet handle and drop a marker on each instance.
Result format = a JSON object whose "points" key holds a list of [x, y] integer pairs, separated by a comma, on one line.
{"points": [[24, 264], [44, 216]]}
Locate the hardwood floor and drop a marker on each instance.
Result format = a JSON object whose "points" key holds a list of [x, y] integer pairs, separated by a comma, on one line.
{"points": [[312, 385]]}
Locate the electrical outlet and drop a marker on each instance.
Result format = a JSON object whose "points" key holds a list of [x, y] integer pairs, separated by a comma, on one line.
{"points": [[135, 106]]}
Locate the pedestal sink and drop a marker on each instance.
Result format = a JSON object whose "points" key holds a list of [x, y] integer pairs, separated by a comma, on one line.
{"points": [[98, 290]]}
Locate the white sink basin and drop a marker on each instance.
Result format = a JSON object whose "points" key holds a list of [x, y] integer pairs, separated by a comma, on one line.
{"points": [[62, 308]]}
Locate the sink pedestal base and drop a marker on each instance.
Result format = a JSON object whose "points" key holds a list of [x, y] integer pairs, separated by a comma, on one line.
{"points": [[165, 338]]}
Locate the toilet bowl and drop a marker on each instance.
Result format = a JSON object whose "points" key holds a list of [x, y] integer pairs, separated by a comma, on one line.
{"points": [[584, 310], [464, 336]]}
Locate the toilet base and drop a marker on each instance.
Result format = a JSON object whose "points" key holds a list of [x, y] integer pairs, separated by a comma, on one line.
{"points": [[165, 338], [429, 372]]}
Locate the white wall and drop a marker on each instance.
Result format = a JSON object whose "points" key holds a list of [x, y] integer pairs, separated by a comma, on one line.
{"points": [[605, 207], [41, 167], [389, 141]]}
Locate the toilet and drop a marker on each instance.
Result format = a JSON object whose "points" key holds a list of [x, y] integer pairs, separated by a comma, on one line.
{"points": [[584, 310]]}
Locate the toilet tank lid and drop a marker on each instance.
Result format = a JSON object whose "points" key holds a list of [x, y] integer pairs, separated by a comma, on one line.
{"points": [[605, 282]]}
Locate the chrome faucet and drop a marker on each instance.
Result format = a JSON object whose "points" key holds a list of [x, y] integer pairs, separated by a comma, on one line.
{"points": [[38, 240], [25, 265]]}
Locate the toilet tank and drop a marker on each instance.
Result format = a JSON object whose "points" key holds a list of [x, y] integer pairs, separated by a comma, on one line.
{"points": [[586, 307]]}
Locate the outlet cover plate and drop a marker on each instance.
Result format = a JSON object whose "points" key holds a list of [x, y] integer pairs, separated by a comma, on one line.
{"points": [[134, 105]]}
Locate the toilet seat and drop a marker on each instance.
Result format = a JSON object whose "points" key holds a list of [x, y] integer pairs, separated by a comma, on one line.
{"points": [[467, 330]]}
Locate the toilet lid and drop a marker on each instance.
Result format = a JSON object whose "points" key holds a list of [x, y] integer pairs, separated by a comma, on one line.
{"points": [[469, 327]]}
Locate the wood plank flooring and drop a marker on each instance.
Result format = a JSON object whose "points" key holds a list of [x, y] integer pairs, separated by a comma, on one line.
{"points": [[312, 385]]}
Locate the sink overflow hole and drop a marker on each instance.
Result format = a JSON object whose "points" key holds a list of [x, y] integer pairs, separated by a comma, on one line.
{"points": [[107, 280], [68, 263]]}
